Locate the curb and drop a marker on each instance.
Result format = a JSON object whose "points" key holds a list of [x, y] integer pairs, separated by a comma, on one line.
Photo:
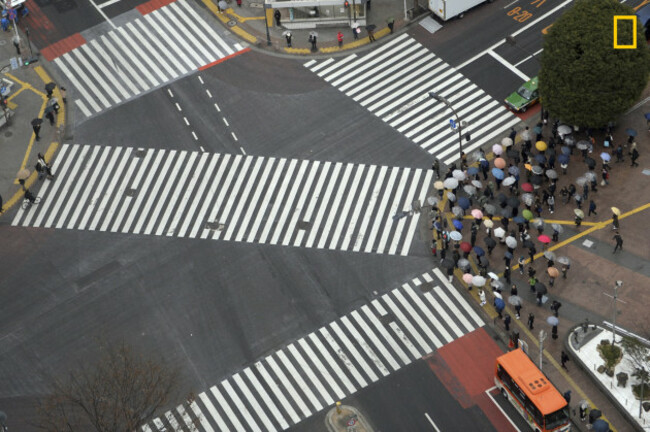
{"points": [[567, 344]]}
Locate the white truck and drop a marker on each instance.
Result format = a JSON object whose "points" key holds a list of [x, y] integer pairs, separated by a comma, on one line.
{"points": [[447, 9]]}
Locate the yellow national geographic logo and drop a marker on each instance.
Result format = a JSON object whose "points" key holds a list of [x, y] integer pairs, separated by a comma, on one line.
{"points": [[618, 18]]}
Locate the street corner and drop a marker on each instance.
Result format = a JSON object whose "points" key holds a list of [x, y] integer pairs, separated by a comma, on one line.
{"points": [[233, 20]]}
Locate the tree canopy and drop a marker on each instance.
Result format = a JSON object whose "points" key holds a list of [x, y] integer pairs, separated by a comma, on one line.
{"points": [[119, 393], [584, 81]]}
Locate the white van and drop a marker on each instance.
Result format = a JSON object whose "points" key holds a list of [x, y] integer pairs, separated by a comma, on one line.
{"points": [[447, 9]]}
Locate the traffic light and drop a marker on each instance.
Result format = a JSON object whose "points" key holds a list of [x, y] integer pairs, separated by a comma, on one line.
{"points": [[346, 4]]}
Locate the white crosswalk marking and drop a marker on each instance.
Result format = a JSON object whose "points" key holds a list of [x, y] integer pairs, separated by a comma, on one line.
{"points": [[140, 55], [393, 82], [328, 365], [180, 193]]}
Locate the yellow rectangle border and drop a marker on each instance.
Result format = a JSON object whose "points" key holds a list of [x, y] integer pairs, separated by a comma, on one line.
{"points": [[624, 17]]}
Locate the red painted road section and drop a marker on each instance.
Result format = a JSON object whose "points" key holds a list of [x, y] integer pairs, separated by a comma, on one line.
{"points": [[529, 113], [466, 368], [63, 46], [42, 30], [152, 5], [216, 62]]}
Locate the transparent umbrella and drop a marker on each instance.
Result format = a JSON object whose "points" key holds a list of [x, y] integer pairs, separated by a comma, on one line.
{"points": [[451, 183], [511, 242], [458, 175], [499, 232], [557, 227]]}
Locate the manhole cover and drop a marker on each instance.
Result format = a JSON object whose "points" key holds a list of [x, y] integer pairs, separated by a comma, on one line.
{"points": [[140, 153], [303, 225], [232, 23], [130, 192], [426, 287]]}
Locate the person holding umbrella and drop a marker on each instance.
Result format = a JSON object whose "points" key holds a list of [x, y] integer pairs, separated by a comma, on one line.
{"points": [[555, 307], [481, 296]]}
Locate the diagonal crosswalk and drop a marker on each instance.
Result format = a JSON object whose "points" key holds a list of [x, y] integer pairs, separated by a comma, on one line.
{"points": [[278, 201], [393, 82], [332, 362], [141, 55]]}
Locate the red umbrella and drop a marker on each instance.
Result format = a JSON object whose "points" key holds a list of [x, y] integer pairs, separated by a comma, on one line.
{"points": [[465, 246], [544, 239], [527, 187]]}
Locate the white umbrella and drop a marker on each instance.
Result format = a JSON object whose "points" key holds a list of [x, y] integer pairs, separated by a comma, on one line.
{"points": [[528, 198], [432, 200], [525, 135], [477, 184], [223, 5], [564, 129], [451, 197], [581, 181], [590, 176], [471, 190], [451, 183], [497, 149], [478, 281], [557, 228], [511, 242], [499, 232], [509, 181], [493, 275], [488, 223], [458, 175], [506, 142], [456, 236]]}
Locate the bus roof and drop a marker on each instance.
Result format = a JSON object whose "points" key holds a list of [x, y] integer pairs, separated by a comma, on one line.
{"points": [[532, 381]]}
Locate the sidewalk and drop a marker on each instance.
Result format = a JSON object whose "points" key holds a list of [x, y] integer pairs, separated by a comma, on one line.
{"points": [[247, 22], [28, 100]]}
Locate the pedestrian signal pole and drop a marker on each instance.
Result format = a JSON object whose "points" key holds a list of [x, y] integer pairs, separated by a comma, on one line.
{"points": [[542, 338], [615, 299], [444, 100]]}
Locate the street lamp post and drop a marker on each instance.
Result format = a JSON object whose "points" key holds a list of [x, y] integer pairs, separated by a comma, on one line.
{"points": [[266, 23], [444, 100]]}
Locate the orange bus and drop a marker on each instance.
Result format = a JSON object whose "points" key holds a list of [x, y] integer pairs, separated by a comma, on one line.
{"points": [[531, 393]]}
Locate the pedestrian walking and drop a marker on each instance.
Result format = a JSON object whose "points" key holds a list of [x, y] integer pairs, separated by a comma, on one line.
{"points": [[551, 203], [583, 411], [578, 221], [517, 310], [532, 281], [635, 155], [506, 322], [578, 199], [5, 24], [540, 297], [64, 94], [355, 34], [450, 274], [49, 89], [54, 103], [513, 290], [521, 263], [436, 167], [563, 359], [527, 137], [506, 274], [615, 224], [531, 253], [619, 242], [592, 208], [391, 23], [278, 17], [513, 134], [564, 193], [565, 269], [619, 154], [585, 192], [50, 116], [531, 321], [339, 38], [474, 234], [567, 396], [312, 41], [556, 235], [555, 307], [605, 176], [44, 166], [36, 128], [288, 36], [481, 296], [371, 33]]}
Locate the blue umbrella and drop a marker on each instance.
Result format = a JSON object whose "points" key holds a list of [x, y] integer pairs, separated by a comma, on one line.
{"points": [[537, 130], [437, 225], [463, 203], [540, 158], [630, 132], [513, 170], [600, 425], [479, 251], [563, 159], [472, 171], [565, 150], [508, 255], [519, 219], [499, 304], [497, 173], [457, 224]]}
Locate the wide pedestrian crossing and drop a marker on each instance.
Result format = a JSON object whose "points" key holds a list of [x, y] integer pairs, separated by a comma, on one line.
{"points": [[278, 201], [332, 363], [393, 82], [141, 55]]}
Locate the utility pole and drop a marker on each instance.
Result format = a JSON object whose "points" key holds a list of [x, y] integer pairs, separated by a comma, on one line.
{"points": [[542, 338], [615, 299]]}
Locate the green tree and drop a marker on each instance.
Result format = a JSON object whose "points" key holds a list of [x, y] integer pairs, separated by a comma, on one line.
{"points": [[584, 81], [121, 392]]}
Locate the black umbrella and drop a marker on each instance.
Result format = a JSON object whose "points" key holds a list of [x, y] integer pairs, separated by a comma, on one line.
{"points": [[590, 162], [528, 244], [48, 109], [536, 180], [50, 86], [550, 152], [540, 288], [513, 202], [37, 122], [502, 197], [512, 153], [506, 212], [508, 255], [483, 261], [371, 27], [447, 263], [490, 242]]}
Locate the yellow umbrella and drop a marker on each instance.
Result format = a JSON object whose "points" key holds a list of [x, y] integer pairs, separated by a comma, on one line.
{"points": [[438, 185], [541, 145], [23, 174], [616, 211], [529, 167]]}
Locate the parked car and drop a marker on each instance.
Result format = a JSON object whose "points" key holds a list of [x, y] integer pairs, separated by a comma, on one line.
{"points": [[526, 96]]}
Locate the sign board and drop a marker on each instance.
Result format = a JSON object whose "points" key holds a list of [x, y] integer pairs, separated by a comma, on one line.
{"points": [[14, 63]]}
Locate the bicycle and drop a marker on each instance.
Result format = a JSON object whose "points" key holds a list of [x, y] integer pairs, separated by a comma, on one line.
{"points": [[30, 199]]}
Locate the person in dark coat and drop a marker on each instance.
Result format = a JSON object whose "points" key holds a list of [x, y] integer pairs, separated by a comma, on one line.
{"points": [[531, 321], [592, 208], [506, 322], [278, 17], [619, 242], [563, 359]]}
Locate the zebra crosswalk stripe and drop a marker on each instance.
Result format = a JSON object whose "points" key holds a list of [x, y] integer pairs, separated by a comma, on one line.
{"points": [[316, 369], [238, 198], [393, 83]]}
